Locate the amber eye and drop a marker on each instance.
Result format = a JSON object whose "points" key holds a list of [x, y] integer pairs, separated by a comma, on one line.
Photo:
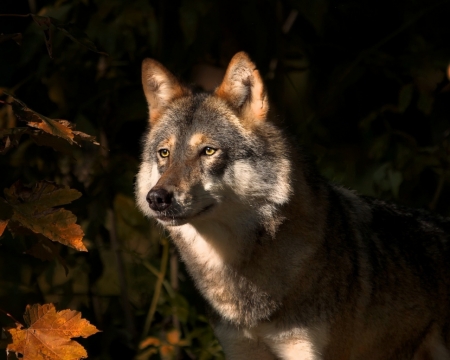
{"points": [[209, 151], [164, 153]]}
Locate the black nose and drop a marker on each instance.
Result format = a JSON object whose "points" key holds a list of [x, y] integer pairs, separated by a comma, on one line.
{"points": [[159, 199]]}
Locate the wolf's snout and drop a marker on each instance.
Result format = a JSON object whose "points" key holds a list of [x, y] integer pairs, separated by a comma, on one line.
{"points": [[159, 199]]}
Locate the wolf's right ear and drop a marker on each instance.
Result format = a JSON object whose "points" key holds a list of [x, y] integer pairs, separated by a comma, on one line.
{"points": [[243, 88], [160, 88]]}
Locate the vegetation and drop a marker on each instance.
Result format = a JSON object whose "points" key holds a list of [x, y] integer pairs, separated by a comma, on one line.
{"points": [[363, 85]]}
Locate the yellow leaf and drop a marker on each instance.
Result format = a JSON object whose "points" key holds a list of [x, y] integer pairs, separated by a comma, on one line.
{"points": [[173, 337], [48, 335]]}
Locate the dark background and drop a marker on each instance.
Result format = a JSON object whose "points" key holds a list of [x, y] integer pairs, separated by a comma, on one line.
{"points": [[363, 85]]}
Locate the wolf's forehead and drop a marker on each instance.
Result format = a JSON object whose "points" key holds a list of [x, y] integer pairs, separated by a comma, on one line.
{"points": [[194, 121]]}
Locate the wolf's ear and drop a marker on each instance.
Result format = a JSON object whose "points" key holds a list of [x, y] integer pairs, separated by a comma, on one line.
{"points": [[160, 87], [243, 88]]}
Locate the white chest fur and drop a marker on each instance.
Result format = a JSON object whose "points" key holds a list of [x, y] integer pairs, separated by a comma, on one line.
{"points": [[201, 249], [294, 343], [268, 339]]}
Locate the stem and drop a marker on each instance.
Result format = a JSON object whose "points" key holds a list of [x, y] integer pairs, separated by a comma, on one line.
{"points": [[158, 286]]}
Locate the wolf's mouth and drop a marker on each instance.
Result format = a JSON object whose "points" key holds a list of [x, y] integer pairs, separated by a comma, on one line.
{"points": [[174, 218]]}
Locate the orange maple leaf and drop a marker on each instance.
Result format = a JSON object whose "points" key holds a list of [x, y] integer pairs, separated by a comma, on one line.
{"points": [[48, 334]]}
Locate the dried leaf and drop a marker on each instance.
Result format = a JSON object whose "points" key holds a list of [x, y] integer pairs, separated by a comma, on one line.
{"points": [[80, 136], [39, 121], [43, 139], [41, 196], [173, 337], [48, 334], [33, 209], [51, 132], [10, 138]]}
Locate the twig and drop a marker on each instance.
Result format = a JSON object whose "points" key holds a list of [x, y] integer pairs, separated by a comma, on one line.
{"points": [[158, 286]]}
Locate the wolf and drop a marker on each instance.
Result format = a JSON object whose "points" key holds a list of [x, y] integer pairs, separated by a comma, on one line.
{"points": [[292, 266]]}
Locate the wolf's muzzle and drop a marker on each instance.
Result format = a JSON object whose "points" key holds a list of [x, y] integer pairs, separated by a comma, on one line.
{"points": [[159, 199]]}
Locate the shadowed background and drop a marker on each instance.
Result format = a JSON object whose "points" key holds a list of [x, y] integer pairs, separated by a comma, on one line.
{"points": [[363, 85]]}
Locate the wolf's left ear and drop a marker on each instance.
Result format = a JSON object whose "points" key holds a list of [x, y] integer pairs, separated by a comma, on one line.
{"points": [[160, 88], [243, 88]]}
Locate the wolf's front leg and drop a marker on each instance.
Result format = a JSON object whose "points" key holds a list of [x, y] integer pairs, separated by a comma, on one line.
{"points": [[237, 346]]}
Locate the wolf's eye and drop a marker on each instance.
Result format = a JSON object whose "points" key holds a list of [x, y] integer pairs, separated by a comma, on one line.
{"points": [[164, 153], [209, 151]]}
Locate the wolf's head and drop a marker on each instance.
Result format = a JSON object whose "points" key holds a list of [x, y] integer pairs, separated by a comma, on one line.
{"points": [[208, 153]]}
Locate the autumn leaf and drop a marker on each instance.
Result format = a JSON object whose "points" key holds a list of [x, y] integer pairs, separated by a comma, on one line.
{"points": [[56, 127], [167, 346], [173, 337], [33, 209], [39, 121], [48, 333]]}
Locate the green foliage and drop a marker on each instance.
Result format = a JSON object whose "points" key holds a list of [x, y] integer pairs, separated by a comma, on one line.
{"points": [[363, 85]]}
